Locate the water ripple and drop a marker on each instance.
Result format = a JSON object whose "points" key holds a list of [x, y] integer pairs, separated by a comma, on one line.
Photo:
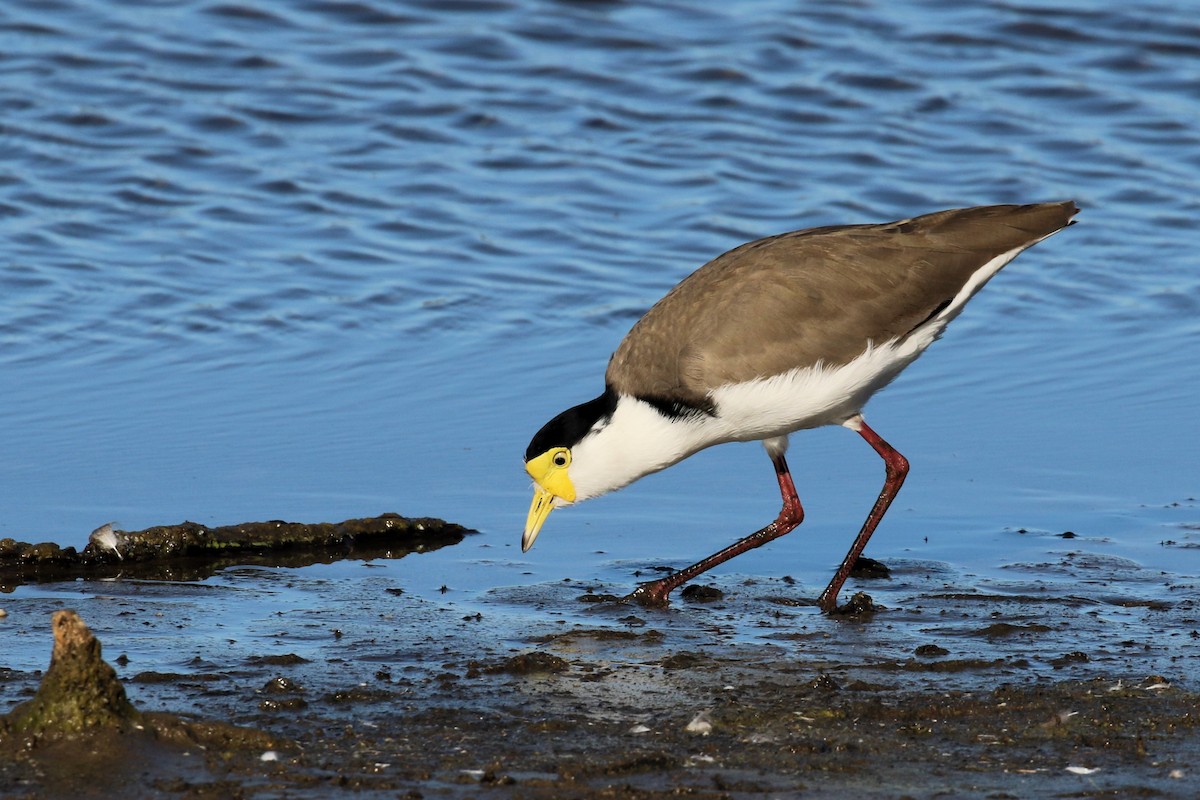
{"points": [[283, 195]]}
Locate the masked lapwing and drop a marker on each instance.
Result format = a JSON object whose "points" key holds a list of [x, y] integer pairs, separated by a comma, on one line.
{"points": [[785, 333]]}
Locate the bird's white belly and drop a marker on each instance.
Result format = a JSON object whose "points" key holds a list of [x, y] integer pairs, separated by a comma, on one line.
{"points": [[809, 397]]}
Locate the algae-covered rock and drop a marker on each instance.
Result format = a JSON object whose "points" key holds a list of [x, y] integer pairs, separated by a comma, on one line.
{"points": [[191, 551], [191, 539], [79, 692]]}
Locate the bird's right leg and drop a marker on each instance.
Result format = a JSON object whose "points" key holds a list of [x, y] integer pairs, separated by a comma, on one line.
{"points": [[896, 467]]}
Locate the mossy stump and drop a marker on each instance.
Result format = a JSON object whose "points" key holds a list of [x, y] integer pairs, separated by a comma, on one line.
{"points": [[79, 692], [80, 737]]}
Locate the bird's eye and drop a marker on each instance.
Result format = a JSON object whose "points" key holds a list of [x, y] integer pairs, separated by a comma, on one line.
{"points": [[561, 458]]}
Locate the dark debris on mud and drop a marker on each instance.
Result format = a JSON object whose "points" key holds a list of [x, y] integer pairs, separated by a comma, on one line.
{"points": [[612, 713]]}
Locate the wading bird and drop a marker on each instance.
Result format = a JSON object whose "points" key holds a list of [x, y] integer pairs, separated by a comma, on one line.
{"points": [[785, 333]]}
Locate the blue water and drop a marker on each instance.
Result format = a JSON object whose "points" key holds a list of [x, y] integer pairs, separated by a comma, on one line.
{"points": [[314, 260]]}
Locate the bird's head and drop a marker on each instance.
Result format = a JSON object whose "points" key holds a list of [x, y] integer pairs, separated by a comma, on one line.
{"points": [[558, 464], [552, 486], [600, 446]]}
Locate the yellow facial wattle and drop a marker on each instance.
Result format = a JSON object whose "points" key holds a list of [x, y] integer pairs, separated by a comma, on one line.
{"points": [[552, 482]]}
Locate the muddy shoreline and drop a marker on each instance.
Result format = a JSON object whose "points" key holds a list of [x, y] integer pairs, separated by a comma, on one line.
{"points": [[365, 688], [603, 713]]}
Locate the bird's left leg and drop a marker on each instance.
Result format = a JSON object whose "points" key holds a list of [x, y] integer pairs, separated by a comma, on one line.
{"points": [[896, 466], [655, 593]]}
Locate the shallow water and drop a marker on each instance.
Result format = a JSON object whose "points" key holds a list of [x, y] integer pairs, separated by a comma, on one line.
{"points": [[321, 260]]}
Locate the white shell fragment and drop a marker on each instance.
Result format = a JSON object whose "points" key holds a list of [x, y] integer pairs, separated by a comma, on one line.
{"points": [[701, 724]]}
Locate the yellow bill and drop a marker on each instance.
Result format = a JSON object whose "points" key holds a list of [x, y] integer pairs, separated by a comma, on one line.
{"points": [[543, 504]]}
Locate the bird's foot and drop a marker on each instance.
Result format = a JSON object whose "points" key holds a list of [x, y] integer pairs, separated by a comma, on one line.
{"points": [[652, 594], [827, 603]]}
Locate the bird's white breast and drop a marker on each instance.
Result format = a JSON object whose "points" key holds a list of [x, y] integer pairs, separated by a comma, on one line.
{"points": [[639, 439], [808, 397]]}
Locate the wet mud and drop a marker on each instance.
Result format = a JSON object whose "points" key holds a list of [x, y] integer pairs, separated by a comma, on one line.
{"points": [[938, 688]]}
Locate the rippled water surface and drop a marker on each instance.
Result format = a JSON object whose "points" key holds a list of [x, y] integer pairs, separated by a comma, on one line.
{"points": [[313, 260]]}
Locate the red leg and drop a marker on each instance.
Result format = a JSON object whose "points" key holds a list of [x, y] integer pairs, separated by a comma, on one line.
{"points": [[654, 593], [897, 468]]}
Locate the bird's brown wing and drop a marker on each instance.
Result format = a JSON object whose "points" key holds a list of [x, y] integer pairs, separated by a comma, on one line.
{"points": [[812, 296]]}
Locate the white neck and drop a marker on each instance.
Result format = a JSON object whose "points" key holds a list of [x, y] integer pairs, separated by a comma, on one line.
{"points": [[637, 441]]}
